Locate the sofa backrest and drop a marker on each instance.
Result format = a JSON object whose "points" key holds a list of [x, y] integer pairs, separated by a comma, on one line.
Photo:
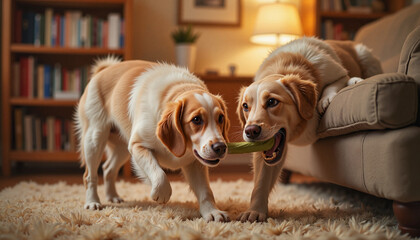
{"points": [[387, 35], [410, 55], [410, 60]]}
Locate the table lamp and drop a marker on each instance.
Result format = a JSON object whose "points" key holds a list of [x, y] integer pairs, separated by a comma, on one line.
{"points": [[276, 24]]}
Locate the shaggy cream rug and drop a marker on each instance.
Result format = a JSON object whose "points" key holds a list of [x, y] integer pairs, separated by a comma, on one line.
{"points": [[297, 211]]}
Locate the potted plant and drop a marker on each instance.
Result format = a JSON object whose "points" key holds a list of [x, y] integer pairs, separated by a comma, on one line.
{"points": [[185, 48]]}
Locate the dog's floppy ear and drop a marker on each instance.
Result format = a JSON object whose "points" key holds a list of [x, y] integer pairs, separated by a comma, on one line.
{"points": [[226, 124], [169, 129], [304, 93], [239, 110]]}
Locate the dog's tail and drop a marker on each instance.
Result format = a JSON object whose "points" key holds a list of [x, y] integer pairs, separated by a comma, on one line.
{"points": [[103, 63]]}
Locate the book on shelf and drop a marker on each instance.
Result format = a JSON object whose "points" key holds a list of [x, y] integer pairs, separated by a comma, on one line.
{"points": [[335, 31], [35, 133], [35, 80], [28, 26], [31, 79], [114, 21], [27, 132], [17, 33], [358, 6], [18, 129], [48, 26], [37, 30], [327, 29], [16, 79], [331, 5], [40, 77], [351, 6], [72, 28]]}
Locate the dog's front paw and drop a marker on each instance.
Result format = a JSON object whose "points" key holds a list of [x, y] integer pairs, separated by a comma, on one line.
{"points": [[252, 216], [354, 80], [216, 215], [162, 191], [93, 206], [324, 103]]}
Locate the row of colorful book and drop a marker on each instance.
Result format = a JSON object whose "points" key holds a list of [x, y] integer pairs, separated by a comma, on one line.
{"points": [[32, 79], [34, 133], [70, 29]]}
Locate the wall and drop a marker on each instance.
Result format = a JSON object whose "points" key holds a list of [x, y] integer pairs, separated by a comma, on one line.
{"points": [[218, 47]]}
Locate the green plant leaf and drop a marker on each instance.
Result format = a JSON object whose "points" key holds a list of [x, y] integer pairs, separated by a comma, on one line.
{"points": [[185, 35]]}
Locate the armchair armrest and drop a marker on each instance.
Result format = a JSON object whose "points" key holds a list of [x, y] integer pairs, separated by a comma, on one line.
{"points": [[383, 101]]}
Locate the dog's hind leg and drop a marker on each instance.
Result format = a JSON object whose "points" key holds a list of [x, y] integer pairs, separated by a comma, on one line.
{"points": [[94, 127], [117, 154], [368, 62], [94, 141]]}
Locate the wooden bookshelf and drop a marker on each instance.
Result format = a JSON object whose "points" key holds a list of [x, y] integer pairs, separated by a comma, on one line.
{"points": [[42, 102], [316, 16], [44, 156], [30, 49], [353, 16], [67, 56]]}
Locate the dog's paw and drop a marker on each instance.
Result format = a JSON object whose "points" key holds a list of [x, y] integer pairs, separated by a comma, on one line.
{"points": [[354, 80], [93, 206], [324, 103], [161, 192], [217, 216], [115, 199], [252, 216]]}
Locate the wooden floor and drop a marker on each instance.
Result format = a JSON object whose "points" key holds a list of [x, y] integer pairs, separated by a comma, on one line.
{"points": [[72, 174]]}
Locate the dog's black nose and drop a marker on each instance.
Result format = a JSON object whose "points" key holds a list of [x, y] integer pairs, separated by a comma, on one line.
{"points": [[252, 131], [219, 148]]}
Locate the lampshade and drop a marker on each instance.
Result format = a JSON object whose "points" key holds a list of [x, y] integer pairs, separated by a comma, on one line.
{"points": [[277, 24]]}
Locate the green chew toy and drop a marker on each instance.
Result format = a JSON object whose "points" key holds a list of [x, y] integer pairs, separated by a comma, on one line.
{"points": [[247, 147]]}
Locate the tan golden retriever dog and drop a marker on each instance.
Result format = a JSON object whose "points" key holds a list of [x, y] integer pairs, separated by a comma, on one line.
{"points": [[292, 88], [161, 116]]}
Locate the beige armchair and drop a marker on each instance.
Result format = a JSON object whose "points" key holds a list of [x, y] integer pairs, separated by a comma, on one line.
{"points": [[370, 134]]}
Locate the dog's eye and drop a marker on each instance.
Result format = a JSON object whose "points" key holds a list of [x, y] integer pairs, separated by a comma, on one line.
{"points": [[272, 102], [197, 120], [245, 107], [221, 118]]}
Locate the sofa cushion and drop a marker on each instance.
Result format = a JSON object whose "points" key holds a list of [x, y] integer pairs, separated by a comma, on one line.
{"points": [[386, 36], [380, 102], [410, 60]]}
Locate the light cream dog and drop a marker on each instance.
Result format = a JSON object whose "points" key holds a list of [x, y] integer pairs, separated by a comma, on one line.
{"points": [[161, 115], [291, 84]]}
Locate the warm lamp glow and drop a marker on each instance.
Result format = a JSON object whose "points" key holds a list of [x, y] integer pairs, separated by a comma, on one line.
{"points": [[277, 24]]}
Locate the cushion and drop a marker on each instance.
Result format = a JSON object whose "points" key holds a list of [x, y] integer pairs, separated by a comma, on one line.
{"points": [[410, 56], [386, 36], [410, 60], [380, 102]]}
